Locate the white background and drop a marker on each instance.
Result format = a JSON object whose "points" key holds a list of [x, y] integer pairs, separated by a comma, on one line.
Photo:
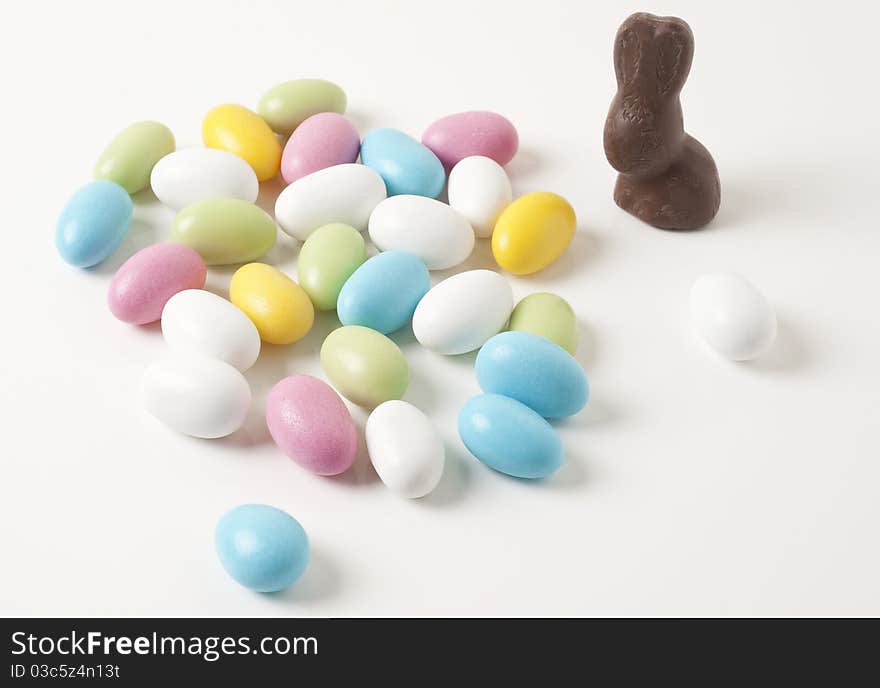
{"points": [[691, 485]]}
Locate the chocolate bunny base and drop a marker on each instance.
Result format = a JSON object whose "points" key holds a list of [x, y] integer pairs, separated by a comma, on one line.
{"points": [[667, 178], [685, 196]]}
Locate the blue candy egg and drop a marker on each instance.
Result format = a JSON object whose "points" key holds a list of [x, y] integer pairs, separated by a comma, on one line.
{"points": [[406, 165], [93, 223], [383, 292], [261, 547], [509, 437], [533, 370]]}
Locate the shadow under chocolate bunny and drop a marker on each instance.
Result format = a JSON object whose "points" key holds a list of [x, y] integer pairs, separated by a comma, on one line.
{"points": [[752, 195]]}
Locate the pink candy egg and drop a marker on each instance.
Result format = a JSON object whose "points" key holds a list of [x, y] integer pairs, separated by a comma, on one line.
{"points": [[464, 134], [144, 283], [323, 140], [311, 424]]}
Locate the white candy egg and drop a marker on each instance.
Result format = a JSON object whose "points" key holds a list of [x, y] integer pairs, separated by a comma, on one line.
{"points": [[463, 311], [433, 231], [342, 193], [196, 395], [200, 322], [405, 449], [732, 316], [197, 174], [479, 189]]}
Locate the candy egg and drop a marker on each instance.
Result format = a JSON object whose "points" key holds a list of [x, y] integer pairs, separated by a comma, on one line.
{"points": [[130, 157], [287, 105], [406, 165], [479, 189], [311, 424], [532, 232], [276, 304], [365, 366], [92, 223], [342, 193], [405, 449], [323, 140], [533, 370], [732, 316], [326, 260], [199, 322], [197, 174], [196, 395], [433, 231], [460, 313], [236, 129], [549, 316], [225, 230], [509, 437], [383, 292], [261, 547], [458, 136], [141, 287]]}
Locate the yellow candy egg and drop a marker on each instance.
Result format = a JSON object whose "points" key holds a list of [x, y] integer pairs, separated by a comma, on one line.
{"points": [[278, 306], [236, 129], [532, 232]]}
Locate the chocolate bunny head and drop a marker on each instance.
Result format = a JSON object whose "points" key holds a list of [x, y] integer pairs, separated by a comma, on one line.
{"points": [[644, 132]]}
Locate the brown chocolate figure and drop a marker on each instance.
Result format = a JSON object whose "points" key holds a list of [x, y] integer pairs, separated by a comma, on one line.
{"points": [[667, 178]]}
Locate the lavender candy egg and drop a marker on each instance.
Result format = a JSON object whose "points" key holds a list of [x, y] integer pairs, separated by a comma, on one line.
{"points": [[321, 141], [143, 285], [312, 425], [459, 136]]}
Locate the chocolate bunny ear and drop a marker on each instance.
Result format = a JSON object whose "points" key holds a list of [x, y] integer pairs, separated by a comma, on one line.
{"points": [[673, 54], [627, 55]]}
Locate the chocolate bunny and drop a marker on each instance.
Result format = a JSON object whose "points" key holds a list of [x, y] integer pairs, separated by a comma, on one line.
{"points": [[667, 178]]}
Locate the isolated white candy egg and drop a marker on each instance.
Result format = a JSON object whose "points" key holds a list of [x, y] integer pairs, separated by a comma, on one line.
{"points": [[463, 311], [342, 193], [196, 395], [732, 316], [479, 189], [200, 322], [197, 174], [405, 449], [433, 231]]}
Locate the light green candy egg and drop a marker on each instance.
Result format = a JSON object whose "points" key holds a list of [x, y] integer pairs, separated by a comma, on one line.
{"points": [[287, 105], [131, 156], [225, 230], [549, 316], [365, 366], [327, 259]]}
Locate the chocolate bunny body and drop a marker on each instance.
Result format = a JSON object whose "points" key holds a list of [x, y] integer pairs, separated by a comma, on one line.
{"points": [[667, 178]]}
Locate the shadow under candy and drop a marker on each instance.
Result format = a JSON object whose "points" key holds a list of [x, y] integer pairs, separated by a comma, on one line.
{"points": [[321, 580]]}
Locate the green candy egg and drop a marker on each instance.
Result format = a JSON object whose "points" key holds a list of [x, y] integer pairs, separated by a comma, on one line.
{"points": [[130, 157], [327, 259], [365, 366], [549, 316], [287, 105], [225, 230]]}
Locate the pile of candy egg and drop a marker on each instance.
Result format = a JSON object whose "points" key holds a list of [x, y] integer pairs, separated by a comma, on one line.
{"points": [[525, 365]]}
